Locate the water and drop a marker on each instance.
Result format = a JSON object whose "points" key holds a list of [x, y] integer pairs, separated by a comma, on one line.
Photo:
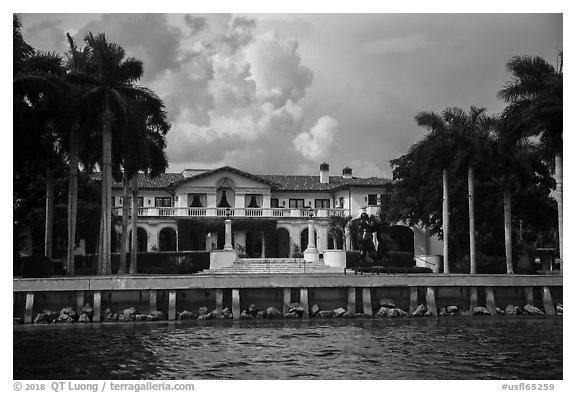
{"points": [[425, 348]]}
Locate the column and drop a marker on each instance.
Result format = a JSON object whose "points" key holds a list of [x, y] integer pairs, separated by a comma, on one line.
{"points": [[352, 300], [431, 301], [29, 310], [236, 303], [172, 305], [219, 299], [97, 306], [490, 301], [311, 237], [228, 235], [304, 302], [547, 300], [366, 302], [287, 300], [153, 300], [311, 253], [413, 299], [79, 302]]}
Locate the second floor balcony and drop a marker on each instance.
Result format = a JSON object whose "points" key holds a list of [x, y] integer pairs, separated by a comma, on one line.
{"points": [[234, 212]]}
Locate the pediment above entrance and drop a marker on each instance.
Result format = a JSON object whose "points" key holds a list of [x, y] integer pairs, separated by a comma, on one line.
{"points": [[225, 177]]}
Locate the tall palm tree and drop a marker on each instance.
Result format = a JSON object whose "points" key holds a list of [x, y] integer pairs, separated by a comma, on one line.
{"points": [[36, 87], [113, 90], [473, 135], [534, 96], [436, 151]]}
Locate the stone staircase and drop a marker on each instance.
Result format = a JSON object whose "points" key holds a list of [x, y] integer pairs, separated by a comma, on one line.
{"points": [[274, 266]]}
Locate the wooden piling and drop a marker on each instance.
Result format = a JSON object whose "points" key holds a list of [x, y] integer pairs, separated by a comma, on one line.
{"points": [[366, 302], [304, 302], [153, 300], [287, 300], [29, 310], [413, 299], [490, 301], [547, 300], [172, 305], [431, 301], [219, 299], [352, 300], [97, 306]]}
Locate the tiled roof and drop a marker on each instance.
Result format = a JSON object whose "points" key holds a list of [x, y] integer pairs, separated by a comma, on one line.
{"points": [[296, 183]]}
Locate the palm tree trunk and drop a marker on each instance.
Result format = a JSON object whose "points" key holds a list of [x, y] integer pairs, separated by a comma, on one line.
{"points": [[105, 257], [72, 200], [471, 219], [134, 225], [559, 198], [48, 230], [508, 227], [334, 243], [125, 213], [445, 218]]}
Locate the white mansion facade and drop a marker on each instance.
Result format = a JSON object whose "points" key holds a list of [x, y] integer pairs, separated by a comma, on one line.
{"points": [[269, 213]]}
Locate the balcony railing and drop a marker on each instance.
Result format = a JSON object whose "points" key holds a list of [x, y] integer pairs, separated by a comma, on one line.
{"points": [[234, 212]]}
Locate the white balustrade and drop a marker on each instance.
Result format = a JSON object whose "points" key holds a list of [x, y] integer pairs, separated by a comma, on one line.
{"points": [[234, 212]]}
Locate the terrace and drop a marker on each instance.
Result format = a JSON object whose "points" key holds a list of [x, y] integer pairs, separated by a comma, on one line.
{"points": [[234, 212]]}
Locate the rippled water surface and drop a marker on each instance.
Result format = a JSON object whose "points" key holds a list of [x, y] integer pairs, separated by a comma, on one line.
{"points": [[431, 348]]}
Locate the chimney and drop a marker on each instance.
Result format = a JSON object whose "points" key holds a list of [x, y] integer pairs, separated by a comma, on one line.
{"points": [[347, 173], [324, 173]]}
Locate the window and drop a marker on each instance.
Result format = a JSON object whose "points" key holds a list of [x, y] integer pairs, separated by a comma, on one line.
{"points": [[274, 202], [296, 203], [140, 201], [163, 202], [341, 202], [372, 200], [196, 201], [253, 203], [322, 203]]}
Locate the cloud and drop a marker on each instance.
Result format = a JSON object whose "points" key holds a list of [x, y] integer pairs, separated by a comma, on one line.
{"points": [[319, 141], [148, 37], [277, 69], [195, 23], [407, 43]]}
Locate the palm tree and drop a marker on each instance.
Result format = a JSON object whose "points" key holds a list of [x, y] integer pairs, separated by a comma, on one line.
{"points": [[336, 227], [111, 87], [473, 138], [436, 151], [534, 96], [36, 87]]}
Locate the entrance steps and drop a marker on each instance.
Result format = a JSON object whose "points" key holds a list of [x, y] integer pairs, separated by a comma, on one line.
{"points": [[274, 266]]}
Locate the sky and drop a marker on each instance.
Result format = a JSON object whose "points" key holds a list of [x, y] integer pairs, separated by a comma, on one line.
{"points": [[281, 93]]}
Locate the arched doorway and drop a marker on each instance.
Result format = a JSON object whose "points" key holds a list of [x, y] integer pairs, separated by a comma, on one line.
{"points": [[403, 238], [141, 240], [304, 239], [167, 240], [283, 242]]}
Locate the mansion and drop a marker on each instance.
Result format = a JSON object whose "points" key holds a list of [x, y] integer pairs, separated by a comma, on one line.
{"points": [[269, 213]]}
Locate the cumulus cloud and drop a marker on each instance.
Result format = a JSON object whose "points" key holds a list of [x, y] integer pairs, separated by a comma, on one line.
{"points": [[407, 43], [195, 23], [319, 141], [277, 69]]}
